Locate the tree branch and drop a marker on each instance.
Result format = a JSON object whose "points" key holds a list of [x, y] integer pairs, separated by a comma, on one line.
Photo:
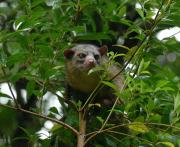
{"points": [[43, 116]]}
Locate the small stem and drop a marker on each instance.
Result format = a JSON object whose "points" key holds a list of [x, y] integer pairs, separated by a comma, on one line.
{"points": [[11, 91], [92, 95], [110, 128], [131, 136], [62, 99], [164, 125], [41, 98], [93, 134]]}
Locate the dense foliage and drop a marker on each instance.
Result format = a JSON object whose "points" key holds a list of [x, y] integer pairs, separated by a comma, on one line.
{"points": [[34, 34]]}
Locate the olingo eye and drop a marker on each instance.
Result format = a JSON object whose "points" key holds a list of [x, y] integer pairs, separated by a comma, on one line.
{"points": [[81, 55], [96, 57]]}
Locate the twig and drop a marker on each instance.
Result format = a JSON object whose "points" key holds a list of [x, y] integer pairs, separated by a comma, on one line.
{"points": [[10, 88], [93, 134], [66, 100], [164, 125], [173, 35], [110, 113], [120, 133], [111, 128], [92, 95]]}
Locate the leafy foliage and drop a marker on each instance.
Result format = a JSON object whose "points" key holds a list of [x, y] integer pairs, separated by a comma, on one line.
{"points": [[34, 34]]}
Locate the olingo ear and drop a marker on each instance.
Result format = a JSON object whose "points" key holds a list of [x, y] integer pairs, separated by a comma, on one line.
{"points": [[103, 50], [68, 54]]}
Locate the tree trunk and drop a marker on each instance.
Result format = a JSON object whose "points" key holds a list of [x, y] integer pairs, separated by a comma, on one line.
{"points": [[82, 130]]}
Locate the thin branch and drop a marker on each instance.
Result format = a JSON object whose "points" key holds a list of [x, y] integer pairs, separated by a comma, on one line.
{"points": [[115, 138], [43, 116], [93, 134], [66, 100], [11, 91], [110, 113], [111, 128], [164, 125], [92, 95], [41, 98], [173, 35], [120, 133]]}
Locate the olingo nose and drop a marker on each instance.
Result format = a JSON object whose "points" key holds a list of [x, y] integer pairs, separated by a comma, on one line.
{"points": [[90, 63]]}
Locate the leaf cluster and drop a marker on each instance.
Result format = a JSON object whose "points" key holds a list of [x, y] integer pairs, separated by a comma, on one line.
{"points": [[34, 34]]}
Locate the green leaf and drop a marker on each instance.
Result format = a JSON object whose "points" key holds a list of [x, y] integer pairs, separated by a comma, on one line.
{"points": [[167, 89], [56, 128], [156, 118], [17, 58], [145, 73], [110, 84], [138, 127], [72, 118], [93, 36], [150, 105], [139, 119], [169, 144], [8, 121], [37, 2], [177, 104], [54, 110], [30, 87], [25, 131], [143, 66], [162, 83], [5, 95], [100, 119], [45, 50], [124, 47], [140, 12], [96, 69], [122, 11]]}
